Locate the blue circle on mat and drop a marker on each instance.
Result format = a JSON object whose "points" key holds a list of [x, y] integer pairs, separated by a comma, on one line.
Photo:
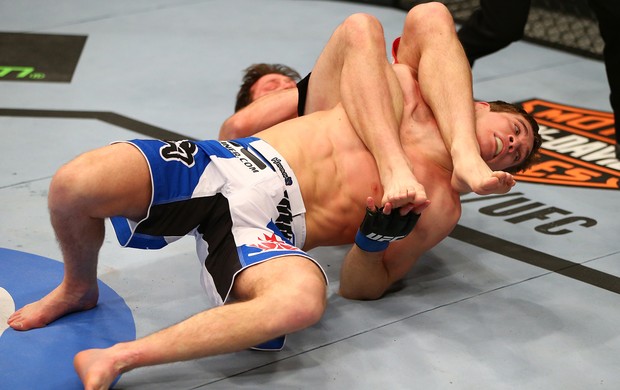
{"points": [[43, 358]]}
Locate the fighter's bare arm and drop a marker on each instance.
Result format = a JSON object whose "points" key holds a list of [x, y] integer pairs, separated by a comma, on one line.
{"points": [[367, 275], [261, 114]]}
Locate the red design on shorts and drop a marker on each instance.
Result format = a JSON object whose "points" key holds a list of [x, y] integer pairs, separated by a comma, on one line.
{"points": [[273, 242]]}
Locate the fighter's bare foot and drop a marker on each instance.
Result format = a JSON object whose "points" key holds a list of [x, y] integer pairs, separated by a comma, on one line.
{"points": [[96, 368], [481, 180], [402, 189], [54, 305]]}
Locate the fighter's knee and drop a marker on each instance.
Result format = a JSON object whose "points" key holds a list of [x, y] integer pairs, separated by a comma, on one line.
{"points": [[431, 17], [67, 185], [76, 184], [300, 310], [305, 312], [362, 21], [362, 26]]}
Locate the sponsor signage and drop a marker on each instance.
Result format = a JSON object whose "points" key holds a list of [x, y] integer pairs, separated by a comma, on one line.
{"points": [[39, 57], [578, 147]]}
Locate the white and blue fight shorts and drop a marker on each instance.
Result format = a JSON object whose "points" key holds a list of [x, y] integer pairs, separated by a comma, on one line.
{"points": [[240, 199]]}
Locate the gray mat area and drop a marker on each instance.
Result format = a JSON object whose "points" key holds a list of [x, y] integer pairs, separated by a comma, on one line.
{"points": [[465, 317]]}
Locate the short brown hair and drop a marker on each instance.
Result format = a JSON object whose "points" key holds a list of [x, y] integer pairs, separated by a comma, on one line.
{"points": [[254, 72], [501, 106]]}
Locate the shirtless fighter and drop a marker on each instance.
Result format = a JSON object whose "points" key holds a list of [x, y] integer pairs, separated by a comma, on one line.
{"points": [[256, 205], [351, 69]]}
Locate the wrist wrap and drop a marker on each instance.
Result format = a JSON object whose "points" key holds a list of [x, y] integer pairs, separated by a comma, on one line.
{"points": [[378, 230]]}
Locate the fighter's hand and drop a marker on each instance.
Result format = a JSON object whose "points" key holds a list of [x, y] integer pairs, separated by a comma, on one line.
{"points": [[402, 190], [382, 226]]}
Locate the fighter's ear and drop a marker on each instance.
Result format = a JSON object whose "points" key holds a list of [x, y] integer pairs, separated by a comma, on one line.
{"points": [[482, 105]]}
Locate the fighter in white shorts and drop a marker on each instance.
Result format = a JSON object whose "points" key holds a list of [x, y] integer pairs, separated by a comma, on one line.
{"points": [[239, 198]]}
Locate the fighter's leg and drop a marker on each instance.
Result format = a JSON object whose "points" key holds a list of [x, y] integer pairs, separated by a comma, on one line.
{"points": [[429, 44], [113, 180], [277, 297], [353, 69]]}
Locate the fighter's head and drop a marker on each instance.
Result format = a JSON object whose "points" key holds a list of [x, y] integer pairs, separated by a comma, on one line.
{"points": [[508, 136], [261, 79]]}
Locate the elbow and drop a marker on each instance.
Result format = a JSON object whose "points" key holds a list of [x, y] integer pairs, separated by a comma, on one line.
{"points": [[360, 294], [234, 127]]}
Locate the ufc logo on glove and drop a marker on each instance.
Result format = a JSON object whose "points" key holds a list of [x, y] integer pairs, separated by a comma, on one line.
{"points": [[378, 229]]}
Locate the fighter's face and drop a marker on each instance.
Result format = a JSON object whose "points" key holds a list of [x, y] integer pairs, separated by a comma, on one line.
{"points": [[270, 83], [505, 139]]}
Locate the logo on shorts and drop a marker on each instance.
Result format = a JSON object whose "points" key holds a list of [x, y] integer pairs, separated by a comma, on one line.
{"points": [[182, 151], [247, 158], [578, 147], [285, 218], [278, 163], [273, 242]]}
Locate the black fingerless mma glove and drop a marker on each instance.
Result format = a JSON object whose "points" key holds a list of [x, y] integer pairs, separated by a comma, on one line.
{"points": [[378, 230]]}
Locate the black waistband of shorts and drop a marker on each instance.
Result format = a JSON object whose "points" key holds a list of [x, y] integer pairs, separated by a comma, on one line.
{"points": [[302, 89]]}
